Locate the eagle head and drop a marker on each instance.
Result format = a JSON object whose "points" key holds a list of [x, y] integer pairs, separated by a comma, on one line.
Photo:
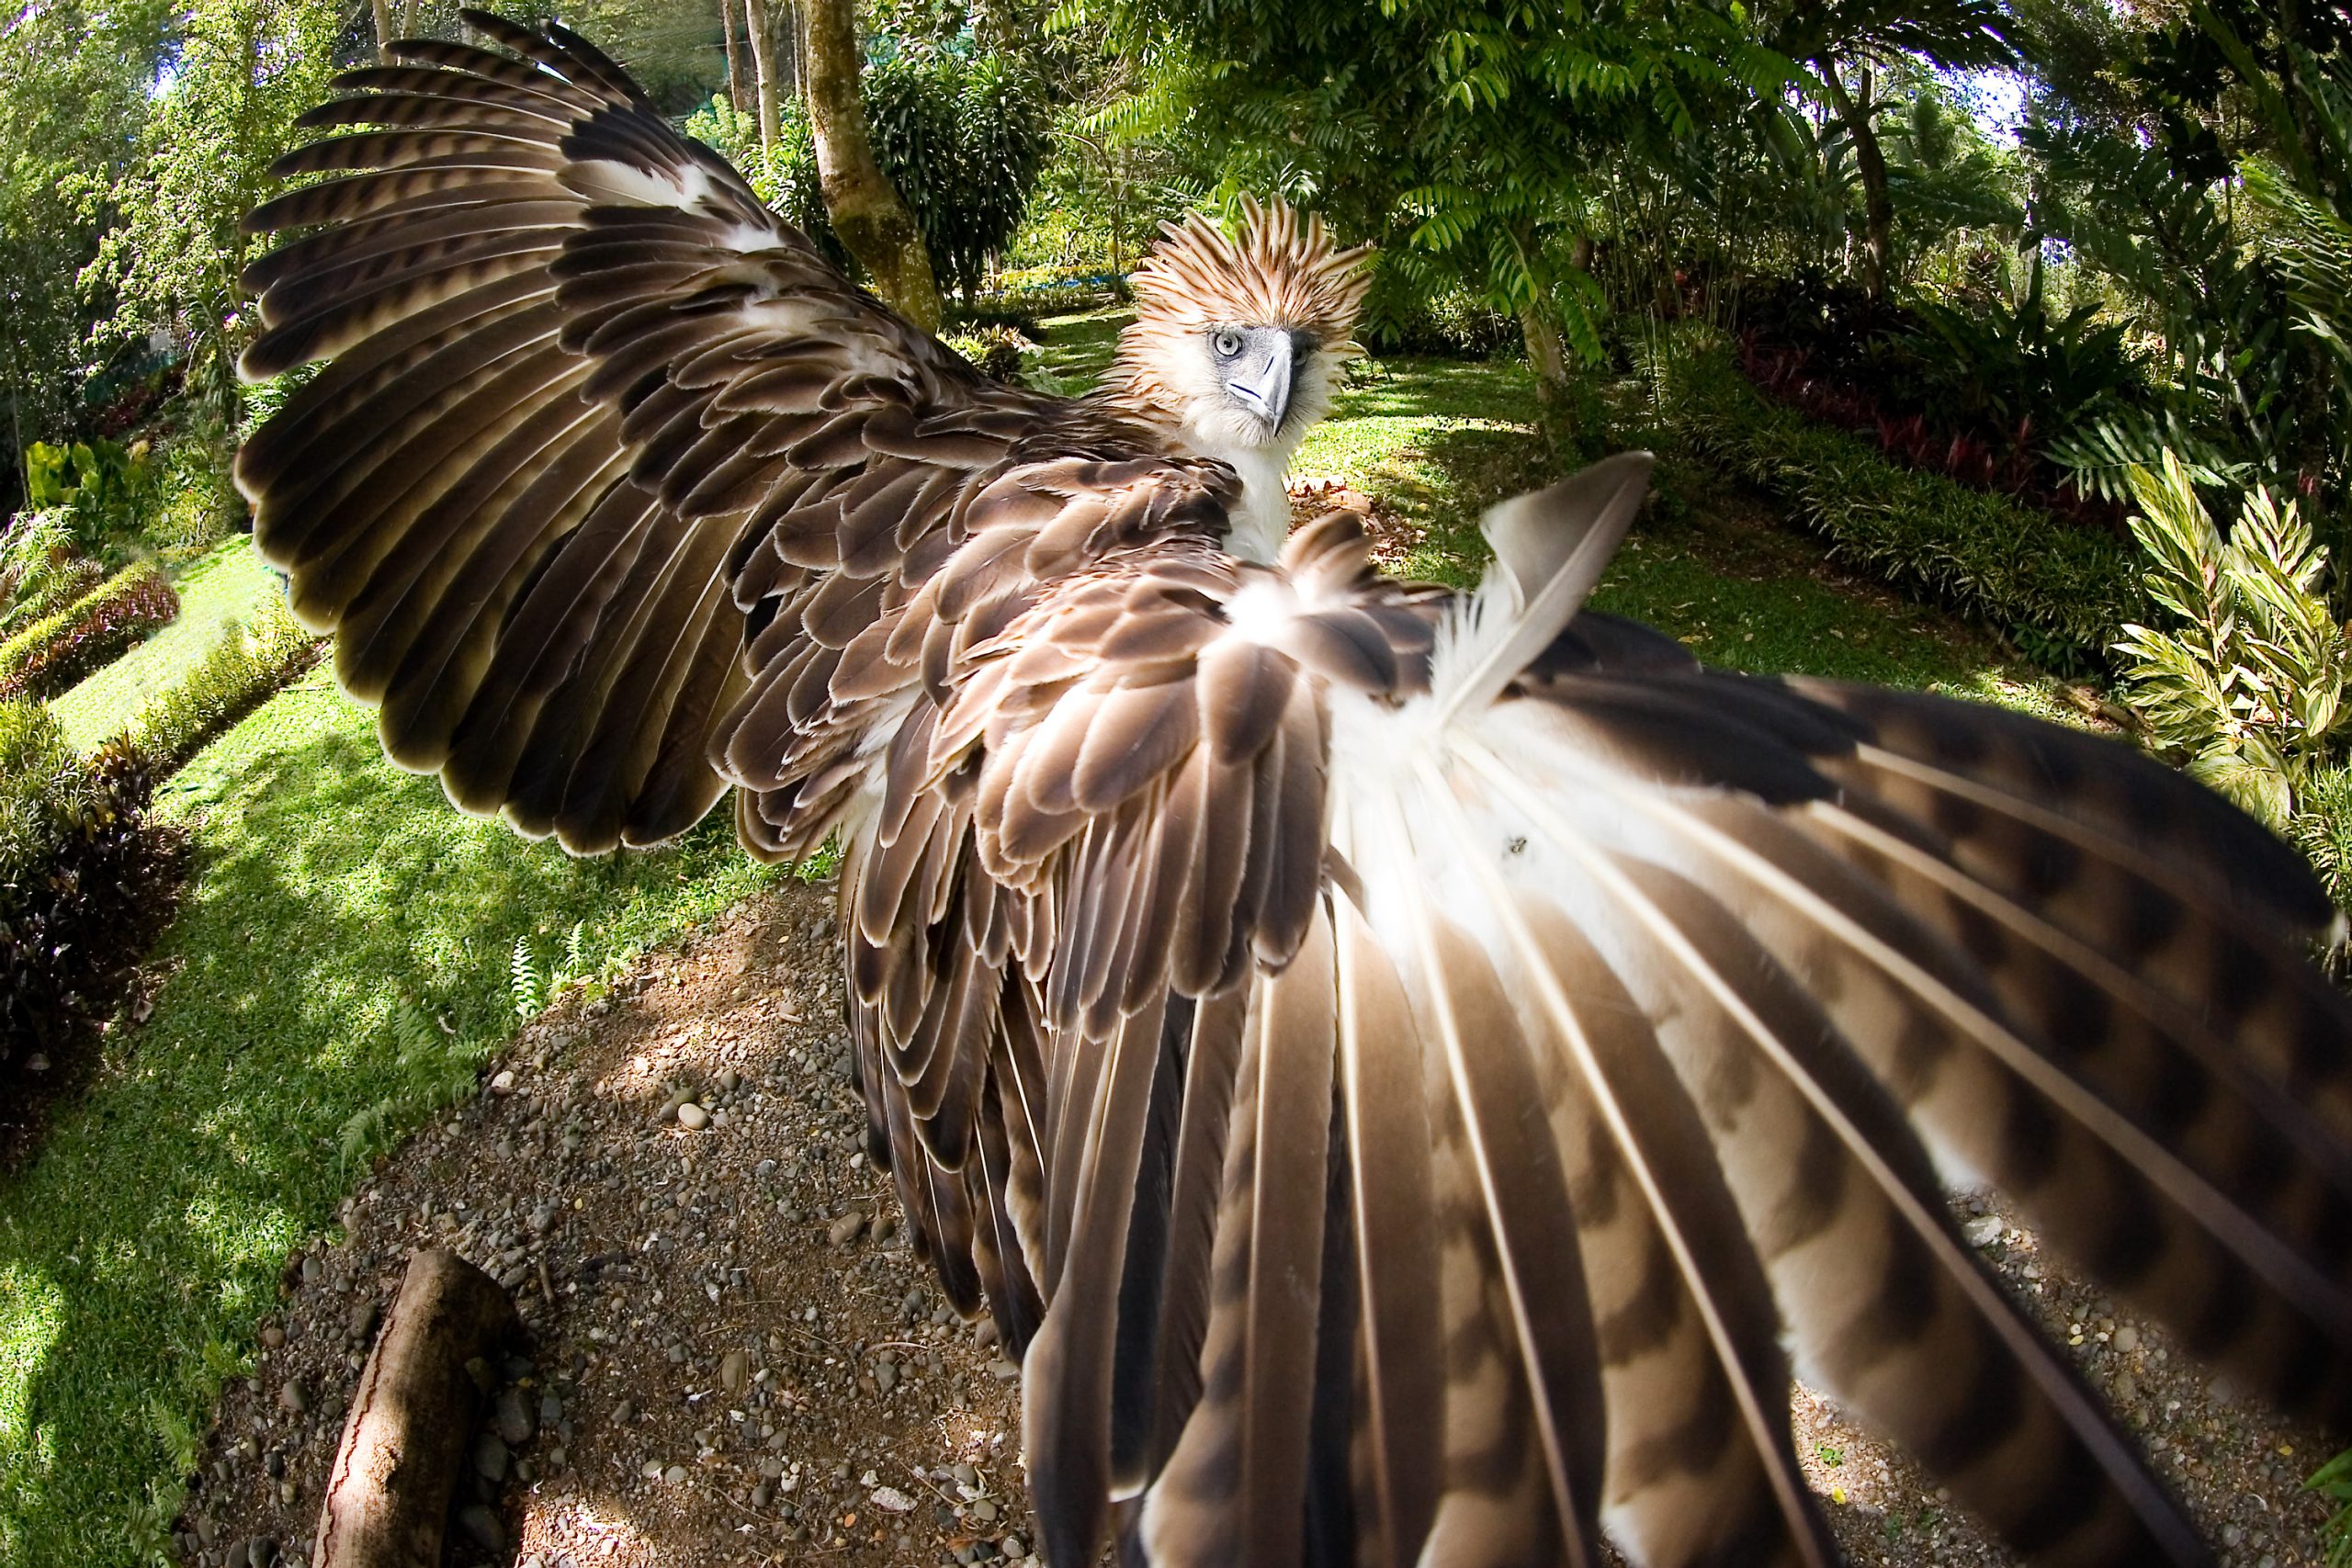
{"points": [[1237, 338]]}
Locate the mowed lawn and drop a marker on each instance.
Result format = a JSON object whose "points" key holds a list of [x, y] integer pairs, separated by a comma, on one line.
{"points": [[340, 963], [219, 591]]}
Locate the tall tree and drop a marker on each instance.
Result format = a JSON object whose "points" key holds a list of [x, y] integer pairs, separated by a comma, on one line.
{"points": [[242, 71], [1850, 43], [734, 59], [764, 66], [868, 213]]}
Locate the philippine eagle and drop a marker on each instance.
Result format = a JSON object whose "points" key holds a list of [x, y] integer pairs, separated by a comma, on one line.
{"points": [[1409, 1073]]}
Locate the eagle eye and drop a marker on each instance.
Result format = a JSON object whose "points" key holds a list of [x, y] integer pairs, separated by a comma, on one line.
{"points": [[1226, 342]]}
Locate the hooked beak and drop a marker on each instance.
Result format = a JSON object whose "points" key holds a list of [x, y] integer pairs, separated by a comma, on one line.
{"points": [[1263, 379]]}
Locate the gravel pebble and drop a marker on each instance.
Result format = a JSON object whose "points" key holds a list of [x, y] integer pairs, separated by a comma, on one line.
{"points": [[483, 1527]]}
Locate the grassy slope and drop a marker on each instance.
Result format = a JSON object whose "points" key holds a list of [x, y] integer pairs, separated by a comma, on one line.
{"points": [[218, 588], [330, 891]]}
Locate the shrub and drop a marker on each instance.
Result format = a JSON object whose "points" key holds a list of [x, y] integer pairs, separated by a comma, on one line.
{"points": [[98, 489], [40, 570], [2247, 688], [50, 592], [229, 682], [994, 351], [2062, 593], [73, 865], [54, 652], [1980, 393]]}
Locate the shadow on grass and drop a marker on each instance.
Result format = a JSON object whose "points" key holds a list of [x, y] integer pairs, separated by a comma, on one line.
{"points": [[329, 893]]}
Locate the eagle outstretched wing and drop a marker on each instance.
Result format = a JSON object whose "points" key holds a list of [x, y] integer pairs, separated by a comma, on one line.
{"points": [[1399, 1066]]}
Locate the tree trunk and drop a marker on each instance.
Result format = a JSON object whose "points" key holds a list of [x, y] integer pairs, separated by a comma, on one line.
{"points": [[869, 214], [383, 9], [734, 59], [388, 1495], [1878, 211], [763, 63], [1547, 354]]}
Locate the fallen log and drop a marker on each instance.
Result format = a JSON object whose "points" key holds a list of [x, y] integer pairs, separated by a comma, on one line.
{"points": [[387, 1497]]}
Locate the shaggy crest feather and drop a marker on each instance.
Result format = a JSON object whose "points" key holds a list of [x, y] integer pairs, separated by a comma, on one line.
{"points": [[1283, 270]]}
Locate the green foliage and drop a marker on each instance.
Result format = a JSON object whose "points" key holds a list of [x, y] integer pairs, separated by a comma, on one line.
{"points": [[2062, 593], [40, 572], [240, 72], [2248, 685], [1481, 139], [73, 79], [243, 670], [96, 490], [964, 139], [70, 869], [2028, 369], [2333, 1481], [55, 651]]}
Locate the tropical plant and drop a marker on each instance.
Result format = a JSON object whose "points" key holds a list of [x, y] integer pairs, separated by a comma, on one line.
{"points": [[1851, 45], [96, 489], [2248, 685], [2026, 370]]}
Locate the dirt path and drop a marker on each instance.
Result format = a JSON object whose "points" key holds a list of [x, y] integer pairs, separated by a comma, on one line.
{"points": [[736, 1356], [735, 1359]]}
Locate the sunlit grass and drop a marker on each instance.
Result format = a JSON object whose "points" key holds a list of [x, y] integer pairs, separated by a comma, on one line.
{"points": [[218, 590]]}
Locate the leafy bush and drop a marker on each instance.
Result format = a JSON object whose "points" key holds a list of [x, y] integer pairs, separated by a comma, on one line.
{"points": [[2248, 687], [229, 682], [994, 351], [1985, 395], [49, 593], [59, 649], [40, 568], [2062, 593], [97, 489], [964, 139], [72, 860]]}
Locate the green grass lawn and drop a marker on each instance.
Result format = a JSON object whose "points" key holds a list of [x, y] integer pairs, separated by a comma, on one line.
{"points": [[330, 895], [219, 588]]}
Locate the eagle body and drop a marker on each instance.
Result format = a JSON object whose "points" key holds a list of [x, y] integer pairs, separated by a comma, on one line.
{"points": [[1407, 1071]]}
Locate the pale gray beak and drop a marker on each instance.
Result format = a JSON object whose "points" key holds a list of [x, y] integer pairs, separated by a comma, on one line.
{"points": [[1259, 376]]}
